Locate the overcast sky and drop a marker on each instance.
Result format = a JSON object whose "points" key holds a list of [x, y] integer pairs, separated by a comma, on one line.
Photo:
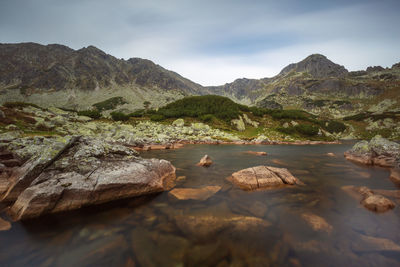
{"points": [[214, 41]]}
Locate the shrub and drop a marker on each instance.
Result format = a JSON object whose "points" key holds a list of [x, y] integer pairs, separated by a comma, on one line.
{"points": [[157, 117], [94, 114], [137, 113], [306, 129], [119, 116], [303, 129], [197, 106], [110, 103], [335, 127], [20, 105], [293, 114], [207, 118]]}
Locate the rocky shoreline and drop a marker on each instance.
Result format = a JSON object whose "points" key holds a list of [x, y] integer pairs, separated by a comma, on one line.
{"points": [[377, 152]]}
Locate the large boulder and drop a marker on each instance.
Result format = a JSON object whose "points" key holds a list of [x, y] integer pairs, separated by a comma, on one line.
{"points": [[263, 177], [379, 151], [85, 172]]}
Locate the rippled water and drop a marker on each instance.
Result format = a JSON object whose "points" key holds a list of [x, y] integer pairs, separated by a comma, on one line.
{"points": [[160, 231]]}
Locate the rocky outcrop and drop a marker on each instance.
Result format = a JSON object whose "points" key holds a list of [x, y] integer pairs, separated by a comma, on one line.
{"points": [[202, 193], [205, 161], [318, 66], [263, 177], [369, 198], [379, 151], [78, 172]]}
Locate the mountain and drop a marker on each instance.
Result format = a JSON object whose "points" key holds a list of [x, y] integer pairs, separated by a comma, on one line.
{"points": [[59, 75], [318, 66], [56, 75], [320, 86]]}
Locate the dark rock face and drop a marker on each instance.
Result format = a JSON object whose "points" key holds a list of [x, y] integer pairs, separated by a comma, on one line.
{"points": [[269, 104], [240, 89], [317, 66], [78, 172], [31, 66]]}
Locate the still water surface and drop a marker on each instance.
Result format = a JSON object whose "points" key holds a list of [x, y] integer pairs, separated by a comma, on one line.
{"points": [[160, 231]]}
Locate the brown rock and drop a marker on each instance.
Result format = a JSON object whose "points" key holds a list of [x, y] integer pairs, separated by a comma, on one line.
{"points": [[370, 199], [91, 172], [395, 176], [330, 154], [205, 161], [206, 226], [203, 193], [157, 147], [262, 177], [317, 223], [362, 159], [4, 225], [257, 153], [378, 203]]}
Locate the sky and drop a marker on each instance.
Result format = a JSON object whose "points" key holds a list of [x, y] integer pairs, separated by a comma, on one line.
{"points": [[213, 42]]}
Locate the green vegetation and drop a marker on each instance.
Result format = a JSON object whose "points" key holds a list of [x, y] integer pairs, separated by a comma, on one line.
{"points": [[94, 114], [109, 104], [207, 118], [20, 105], [302, 129], [157, 117], [119, 116], [374, 117], [335, 127], [196, 106], [138, 113]]}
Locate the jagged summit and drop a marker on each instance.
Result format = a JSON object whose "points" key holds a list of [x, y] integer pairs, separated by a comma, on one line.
{"points": [[318, 66]]}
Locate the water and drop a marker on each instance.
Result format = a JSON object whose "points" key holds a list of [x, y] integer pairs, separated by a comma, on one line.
{"points": [[160, 231]]}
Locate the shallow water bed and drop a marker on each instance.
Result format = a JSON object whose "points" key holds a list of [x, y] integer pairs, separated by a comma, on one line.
{"points": [[232, 227]]}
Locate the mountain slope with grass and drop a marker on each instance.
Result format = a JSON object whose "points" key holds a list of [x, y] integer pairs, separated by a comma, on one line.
{"points": [[58, 75]]}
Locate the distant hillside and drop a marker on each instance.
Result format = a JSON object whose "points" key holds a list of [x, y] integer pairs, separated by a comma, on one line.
{"points": [[320, 86], [29, 71]]}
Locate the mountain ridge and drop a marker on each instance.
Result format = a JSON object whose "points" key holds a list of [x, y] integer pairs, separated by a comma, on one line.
{"points": [[55, 74]]}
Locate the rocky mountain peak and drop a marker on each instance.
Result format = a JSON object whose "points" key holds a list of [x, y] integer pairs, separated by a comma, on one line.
{"points": [[318, 66]]}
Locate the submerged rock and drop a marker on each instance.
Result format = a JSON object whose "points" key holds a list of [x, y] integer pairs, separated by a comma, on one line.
{"points": [[206, 226], [202, 193], [4, 225], [395, 176], [374, 244], [369, 198], [263, 177], [379, 151], [317, 223], [257, 153], [83, 171], [205, 161]]}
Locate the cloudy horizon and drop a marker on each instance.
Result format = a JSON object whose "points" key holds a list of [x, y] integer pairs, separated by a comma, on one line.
{"points": [[214, 42]]}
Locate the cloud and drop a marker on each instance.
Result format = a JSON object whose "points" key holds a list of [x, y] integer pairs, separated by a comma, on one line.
{"points": [[213, 42]]}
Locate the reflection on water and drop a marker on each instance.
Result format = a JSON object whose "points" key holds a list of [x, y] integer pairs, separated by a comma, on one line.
{"points": [[232, 228]]}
